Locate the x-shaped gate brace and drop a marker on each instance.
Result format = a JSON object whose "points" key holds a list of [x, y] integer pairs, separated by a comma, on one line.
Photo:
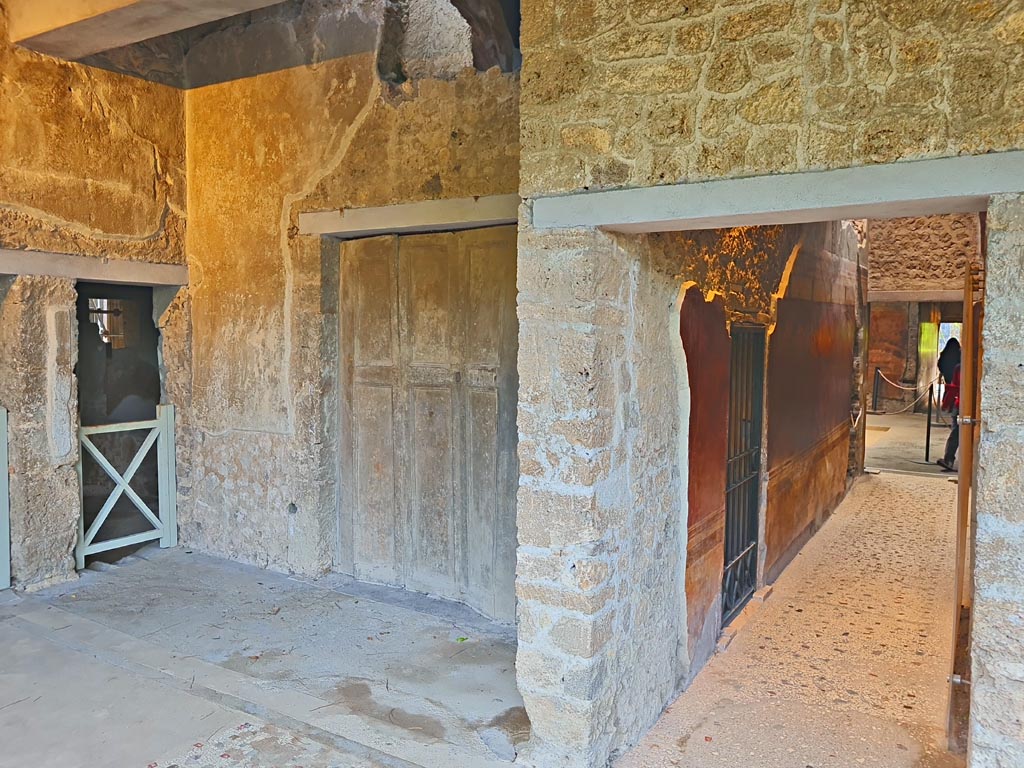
{"points": [[164, 521]]}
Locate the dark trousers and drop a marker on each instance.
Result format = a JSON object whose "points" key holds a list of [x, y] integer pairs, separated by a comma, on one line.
{"points": [[953, 441]]}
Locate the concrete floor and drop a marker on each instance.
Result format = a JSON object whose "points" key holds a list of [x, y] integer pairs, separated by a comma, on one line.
{"points": [[845, 664], [175, 659], [896, 443]]}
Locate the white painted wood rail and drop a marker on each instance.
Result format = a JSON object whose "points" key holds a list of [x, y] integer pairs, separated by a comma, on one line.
{"points": [[164, 521], [5, 506]]}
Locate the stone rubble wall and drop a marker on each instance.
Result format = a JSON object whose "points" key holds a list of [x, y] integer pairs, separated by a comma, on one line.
{"points": [[997, 677], [262, 477], [38, 352], [91, 163], [603, 423], [627, 93], [923, 253]]}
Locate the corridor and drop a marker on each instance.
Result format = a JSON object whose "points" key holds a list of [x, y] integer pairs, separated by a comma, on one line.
{"points": [[845, 664]]}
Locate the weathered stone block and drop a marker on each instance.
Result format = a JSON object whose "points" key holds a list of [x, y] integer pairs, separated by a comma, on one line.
{"points": [[583, 638]]}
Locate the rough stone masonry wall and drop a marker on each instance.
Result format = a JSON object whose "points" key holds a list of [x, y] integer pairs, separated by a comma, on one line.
{"points": [[640, 92], [327, 135], [38, 351], [603, 419], [924, 253], [91, 163], [997, 678], [600, 511]]}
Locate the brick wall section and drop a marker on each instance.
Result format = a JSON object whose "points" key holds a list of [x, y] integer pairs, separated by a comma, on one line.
{"points": [[622, 93], [923, 253], [997, 679]]}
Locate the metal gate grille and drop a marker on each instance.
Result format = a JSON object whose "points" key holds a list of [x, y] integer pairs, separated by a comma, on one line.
{"points": [[743, 468]]}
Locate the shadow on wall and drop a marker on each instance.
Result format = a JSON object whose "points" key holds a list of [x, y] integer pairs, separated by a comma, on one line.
{"points": [[415, 33]]}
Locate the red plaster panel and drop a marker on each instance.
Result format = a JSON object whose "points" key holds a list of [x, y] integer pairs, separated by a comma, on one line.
{"points": [[810, 367], [706, 344], [887, 342]]}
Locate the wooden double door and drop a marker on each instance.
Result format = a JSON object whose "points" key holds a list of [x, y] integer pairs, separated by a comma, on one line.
{"points": [[429, 340]]}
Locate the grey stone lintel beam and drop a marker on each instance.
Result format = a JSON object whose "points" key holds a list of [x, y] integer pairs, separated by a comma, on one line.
{"points": [[410, 218], [959, 184], [91, 268]]}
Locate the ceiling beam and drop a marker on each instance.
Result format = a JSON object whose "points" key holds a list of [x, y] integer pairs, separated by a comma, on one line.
{"points": [[74, 29]]}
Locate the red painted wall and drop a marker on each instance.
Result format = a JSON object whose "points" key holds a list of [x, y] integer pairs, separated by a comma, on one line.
{"points": [[810, 369], [706, 343]]}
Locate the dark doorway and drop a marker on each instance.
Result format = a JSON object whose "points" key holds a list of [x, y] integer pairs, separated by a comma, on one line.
{"points": [[743, 468], [118, 382]]}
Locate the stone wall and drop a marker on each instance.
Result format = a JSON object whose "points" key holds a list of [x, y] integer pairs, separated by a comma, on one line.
{"points": [[638, 92], [38, 351], [262, 309], [997, 679], [91, 163], [924, 253], [605, 441]]}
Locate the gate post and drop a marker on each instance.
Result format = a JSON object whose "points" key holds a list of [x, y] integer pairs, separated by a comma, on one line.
{"points": [[5, 506], [167, 477]]}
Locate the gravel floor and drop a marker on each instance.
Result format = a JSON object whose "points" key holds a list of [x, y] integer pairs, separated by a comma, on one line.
{"points": [[845, 664]]}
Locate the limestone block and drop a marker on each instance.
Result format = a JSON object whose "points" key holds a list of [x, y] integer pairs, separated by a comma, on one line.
{"points": [[582, 638]]}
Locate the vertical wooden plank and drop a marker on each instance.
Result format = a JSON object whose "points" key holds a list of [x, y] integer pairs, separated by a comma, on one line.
{"points": [[80, 545], [428, 287], [482, 488], [432, 492], [965, 481], [490, 362], [167, 469], [370, 525], [5, 506], [375, 539]]}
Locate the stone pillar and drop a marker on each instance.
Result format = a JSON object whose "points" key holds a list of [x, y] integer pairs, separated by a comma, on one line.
{"points": [[997, 687], [38, 353], [601, 503], [566, 427]]}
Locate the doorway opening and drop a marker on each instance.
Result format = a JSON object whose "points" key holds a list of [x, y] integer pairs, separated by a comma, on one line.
{"points": [[429, 340], [118, 383], [833, 568]]}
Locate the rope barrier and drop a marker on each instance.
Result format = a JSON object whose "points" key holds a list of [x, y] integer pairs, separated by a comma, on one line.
{"points": [[899, 386], [904, 410]]}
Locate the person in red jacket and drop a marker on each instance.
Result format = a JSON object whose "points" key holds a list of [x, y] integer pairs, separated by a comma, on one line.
{"points": [[951, 403]]}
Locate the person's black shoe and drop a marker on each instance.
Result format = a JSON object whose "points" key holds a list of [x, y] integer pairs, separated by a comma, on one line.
{"points": [[946, 465]]}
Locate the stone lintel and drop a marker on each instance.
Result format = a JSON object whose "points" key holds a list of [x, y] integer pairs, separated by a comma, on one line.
{"points": [[91, 268], [960, 184], [410, 218], [936, 296]]}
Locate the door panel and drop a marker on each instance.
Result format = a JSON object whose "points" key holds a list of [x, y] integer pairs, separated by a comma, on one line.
{"points": [[377, 536], [427, 266], [482, 491], [368, 419], [429, 337], [432, 499]]}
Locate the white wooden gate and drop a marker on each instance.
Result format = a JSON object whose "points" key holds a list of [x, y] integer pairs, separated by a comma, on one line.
{"points": [[5, 506], [164, 521]]}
